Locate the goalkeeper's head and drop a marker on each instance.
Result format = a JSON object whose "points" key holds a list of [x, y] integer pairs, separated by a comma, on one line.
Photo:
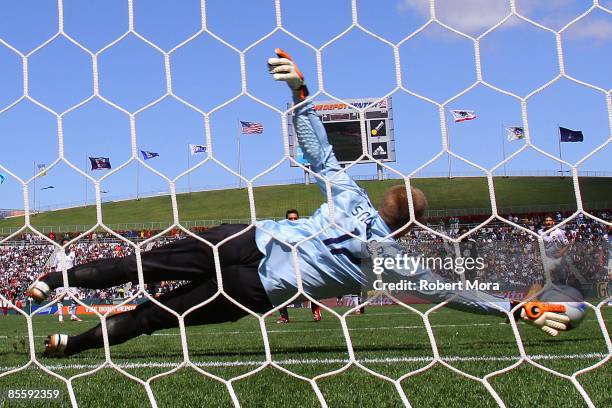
{"points": [[393, 208]]}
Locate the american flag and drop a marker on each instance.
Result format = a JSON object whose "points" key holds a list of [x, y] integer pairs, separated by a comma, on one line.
{"points": [[251, 127]]}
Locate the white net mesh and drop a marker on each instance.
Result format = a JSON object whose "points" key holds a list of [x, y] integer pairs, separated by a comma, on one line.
{"points": [[319, 80]]}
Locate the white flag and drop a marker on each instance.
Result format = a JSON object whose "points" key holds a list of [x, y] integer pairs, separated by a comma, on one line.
{"points": [[195, 149], [515, 133], [463, 115]]}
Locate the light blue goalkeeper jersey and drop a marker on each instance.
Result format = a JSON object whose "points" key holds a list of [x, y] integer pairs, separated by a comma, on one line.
{"points": [[329, 262]]}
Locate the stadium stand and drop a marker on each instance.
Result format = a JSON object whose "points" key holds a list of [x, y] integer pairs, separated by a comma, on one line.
{"points": [[27, 256]]}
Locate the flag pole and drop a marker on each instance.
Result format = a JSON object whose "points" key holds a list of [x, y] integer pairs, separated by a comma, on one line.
{"points": [[137, 180], [34, 190], [449, 156], [503, 149], [239, 168], [87, 170], [188, 167], [560, 157]]}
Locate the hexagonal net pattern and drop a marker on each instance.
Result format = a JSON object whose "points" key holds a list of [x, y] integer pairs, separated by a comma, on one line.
{"points": [[437, 359]]}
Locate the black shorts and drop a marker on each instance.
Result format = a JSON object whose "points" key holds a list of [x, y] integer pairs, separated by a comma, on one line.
{"points": [[239, 260], [194, 261]]}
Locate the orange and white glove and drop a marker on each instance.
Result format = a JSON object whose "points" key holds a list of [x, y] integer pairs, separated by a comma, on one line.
{"points": [[550, 317], [284, 69]]}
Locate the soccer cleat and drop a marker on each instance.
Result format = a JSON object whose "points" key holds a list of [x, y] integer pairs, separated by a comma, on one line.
{"points": [[55, 345], [38, 290], [75, 319], [282, 320], [316, 314]]}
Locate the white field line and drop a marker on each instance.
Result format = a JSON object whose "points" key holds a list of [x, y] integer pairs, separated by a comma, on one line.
{"points": [[387, 360], [289, 331], [338, 329]]}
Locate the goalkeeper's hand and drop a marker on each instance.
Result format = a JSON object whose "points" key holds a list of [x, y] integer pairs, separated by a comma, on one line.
{"points": [[550, 317], [284, 69]]}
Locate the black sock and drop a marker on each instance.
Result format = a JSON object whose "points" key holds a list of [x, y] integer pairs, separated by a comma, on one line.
{"points": [[100, 274], [120, 328], [54, 280]]}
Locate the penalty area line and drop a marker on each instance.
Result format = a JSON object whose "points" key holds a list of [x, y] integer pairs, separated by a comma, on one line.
{"points": [[327, 361]]}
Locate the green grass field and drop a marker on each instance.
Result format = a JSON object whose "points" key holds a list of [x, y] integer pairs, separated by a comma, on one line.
{"points": [[443, 194], [388, 340]]}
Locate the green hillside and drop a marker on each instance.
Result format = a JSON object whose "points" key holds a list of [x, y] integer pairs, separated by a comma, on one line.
{"points": [[538, 193]]}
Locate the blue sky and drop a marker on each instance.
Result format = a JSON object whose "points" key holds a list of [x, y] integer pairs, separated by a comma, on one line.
{"points": [[436, 63]]}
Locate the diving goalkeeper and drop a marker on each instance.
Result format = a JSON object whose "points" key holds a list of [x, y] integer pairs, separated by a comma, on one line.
{"points": [[256, 265]]}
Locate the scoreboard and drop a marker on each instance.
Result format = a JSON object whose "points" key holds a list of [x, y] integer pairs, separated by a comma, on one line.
{"points": [[341, 121]]}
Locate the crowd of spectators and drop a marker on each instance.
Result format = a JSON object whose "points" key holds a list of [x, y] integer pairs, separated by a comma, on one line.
{"points": [[29, 255], [511, 254], [133, 235], [21, 263]]}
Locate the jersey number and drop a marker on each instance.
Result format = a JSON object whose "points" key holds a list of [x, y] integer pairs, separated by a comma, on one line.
{"points": [[339, 250]]}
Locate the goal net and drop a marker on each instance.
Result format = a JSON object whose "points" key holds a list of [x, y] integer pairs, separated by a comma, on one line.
{"points": [[321, 72]]}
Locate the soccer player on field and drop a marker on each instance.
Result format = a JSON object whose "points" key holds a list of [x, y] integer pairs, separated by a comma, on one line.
{"points": [[257, 266], [556, 245], [5, 305], [293, 215], [60, 262]]}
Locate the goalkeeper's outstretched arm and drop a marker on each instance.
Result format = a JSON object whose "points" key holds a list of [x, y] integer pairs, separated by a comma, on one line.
{"points": [[550, 317], [313, 140], [310, 132]]}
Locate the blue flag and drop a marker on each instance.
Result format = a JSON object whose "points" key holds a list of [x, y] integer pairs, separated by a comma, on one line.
{"points": [[148, 155], [195, 149], [2, 178], [568, 135], [98, 163]]}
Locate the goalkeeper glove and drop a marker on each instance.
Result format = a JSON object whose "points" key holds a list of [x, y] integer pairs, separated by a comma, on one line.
{"points": [[550, 317], [284, 69]]}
